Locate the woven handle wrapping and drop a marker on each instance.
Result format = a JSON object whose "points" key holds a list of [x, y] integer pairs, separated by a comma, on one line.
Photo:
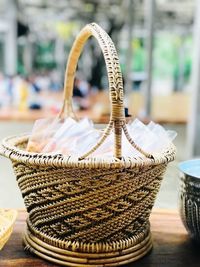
{"points": [[117, 118]]}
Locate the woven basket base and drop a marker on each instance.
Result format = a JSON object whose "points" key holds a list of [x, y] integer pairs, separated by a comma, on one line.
{"points": [[61, 256]]}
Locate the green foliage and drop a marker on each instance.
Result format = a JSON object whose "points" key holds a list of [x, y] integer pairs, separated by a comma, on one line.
{"points": [[45, 55]]}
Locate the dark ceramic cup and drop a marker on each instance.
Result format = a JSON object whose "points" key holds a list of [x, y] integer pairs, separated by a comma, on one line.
{"points": [[190, 196]]}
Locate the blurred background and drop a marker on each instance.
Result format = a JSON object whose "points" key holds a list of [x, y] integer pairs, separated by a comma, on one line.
{"points": [[158, 42]]}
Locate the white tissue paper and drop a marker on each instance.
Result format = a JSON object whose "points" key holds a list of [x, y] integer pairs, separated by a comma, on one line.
{"points": [[70, 137], [42, 132]]}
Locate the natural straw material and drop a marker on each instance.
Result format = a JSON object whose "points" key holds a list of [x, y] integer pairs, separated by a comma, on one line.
{"points": [[7, 219], [89, 211]]}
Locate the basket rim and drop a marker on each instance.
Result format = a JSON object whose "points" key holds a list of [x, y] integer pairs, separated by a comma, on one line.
{"points": [[9, 148]]}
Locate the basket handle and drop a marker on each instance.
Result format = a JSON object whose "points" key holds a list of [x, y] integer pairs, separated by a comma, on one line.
{"points": [[117, 117]]}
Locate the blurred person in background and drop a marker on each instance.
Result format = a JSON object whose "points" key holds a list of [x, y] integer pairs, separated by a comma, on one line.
{"points": [[34, 101], [3, 93], [42, 80], [7, 90], [23, 95], [55, 84], [81, 92]]}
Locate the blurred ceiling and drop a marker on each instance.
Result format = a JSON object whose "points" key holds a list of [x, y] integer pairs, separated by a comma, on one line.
{"points": [[41, 16]]}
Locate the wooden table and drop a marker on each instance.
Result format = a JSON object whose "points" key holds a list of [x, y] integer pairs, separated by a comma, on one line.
{"points": [[172, 246]]}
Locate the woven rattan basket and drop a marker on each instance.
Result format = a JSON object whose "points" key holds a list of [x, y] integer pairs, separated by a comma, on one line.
{"points": [[89, 211], [7, 219]]}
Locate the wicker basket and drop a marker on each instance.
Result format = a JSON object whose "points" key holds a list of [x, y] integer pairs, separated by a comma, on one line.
{"points": [[89, 211], [7, 219]]}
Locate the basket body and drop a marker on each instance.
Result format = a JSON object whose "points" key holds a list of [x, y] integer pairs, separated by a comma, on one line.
{"points": [[94, 216], [86, 212], [89, 206]]}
